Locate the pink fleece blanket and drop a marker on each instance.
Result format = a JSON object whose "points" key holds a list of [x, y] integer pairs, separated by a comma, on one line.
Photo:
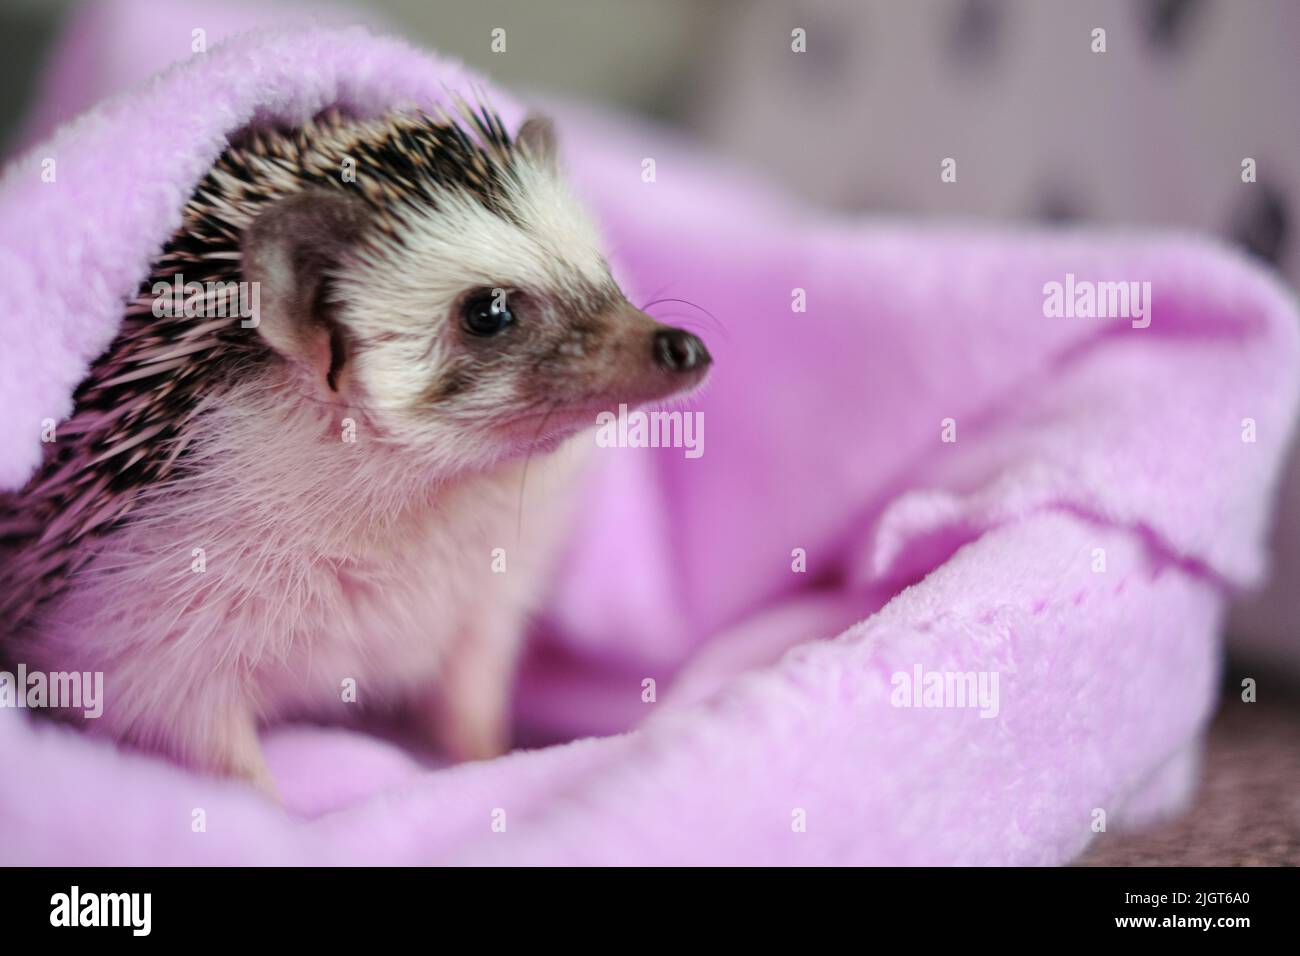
{"points": [[1108, 488]]}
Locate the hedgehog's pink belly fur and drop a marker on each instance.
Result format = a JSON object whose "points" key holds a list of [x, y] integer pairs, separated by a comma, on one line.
{"points": [[192, 659]]}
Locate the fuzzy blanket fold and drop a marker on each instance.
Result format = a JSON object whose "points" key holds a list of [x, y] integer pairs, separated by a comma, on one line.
{"points": [[1057, 506]]}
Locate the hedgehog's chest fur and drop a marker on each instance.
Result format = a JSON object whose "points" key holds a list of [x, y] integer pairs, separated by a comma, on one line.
{"points": [[309, 613]]}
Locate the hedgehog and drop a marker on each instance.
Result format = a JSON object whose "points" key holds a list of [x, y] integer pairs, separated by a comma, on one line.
{"points": [[299, 483]]}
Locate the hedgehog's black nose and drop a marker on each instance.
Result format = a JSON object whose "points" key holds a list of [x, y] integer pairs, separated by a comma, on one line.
{"points": [[680, 351]]}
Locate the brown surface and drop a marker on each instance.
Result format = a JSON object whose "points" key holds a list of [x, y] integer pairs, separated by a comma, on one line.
{"points": [[1247, 810]]}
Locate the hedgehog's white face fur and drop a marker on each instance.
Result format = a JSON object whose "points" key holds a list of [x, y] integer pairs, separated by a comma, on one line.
{"points": [[464, 331]]}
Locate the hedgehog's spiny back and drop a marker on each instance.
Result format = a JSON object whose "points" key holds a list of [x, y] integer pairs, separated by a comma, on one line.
{"points": [[130, 427]]}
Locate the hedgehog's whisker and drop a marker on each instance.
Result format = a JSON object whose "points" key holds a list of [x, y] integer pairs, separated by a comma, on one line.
{"points": [[523, 480], [699, 308]]}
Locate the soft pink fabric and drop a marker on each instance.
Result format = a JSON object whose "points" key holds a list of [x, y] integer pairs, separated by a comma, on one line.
{"points": [[822, 433]]}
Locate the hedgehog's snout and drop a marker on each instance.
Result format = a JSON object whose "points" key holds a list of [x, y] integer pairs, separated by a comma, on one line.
{"points": [[650, 361], [676, 350], [621, 355]]}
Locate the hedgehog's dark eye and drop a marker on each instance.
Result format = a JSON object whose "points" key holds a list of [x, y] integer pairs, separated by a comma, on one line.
{"points": [[486, 313]]}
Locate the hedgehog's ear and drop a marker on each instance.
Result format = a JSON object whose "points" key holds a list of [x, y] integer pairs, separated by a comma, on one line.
{"points": [[538, 136], [289, 251]]}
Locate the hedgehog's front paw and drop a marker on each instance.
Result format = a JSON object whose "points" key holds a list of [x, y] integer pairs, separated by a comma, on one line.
{"points": [[465, 726], [467, 716], [230, 748], [252, 768], [476, 734]]}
